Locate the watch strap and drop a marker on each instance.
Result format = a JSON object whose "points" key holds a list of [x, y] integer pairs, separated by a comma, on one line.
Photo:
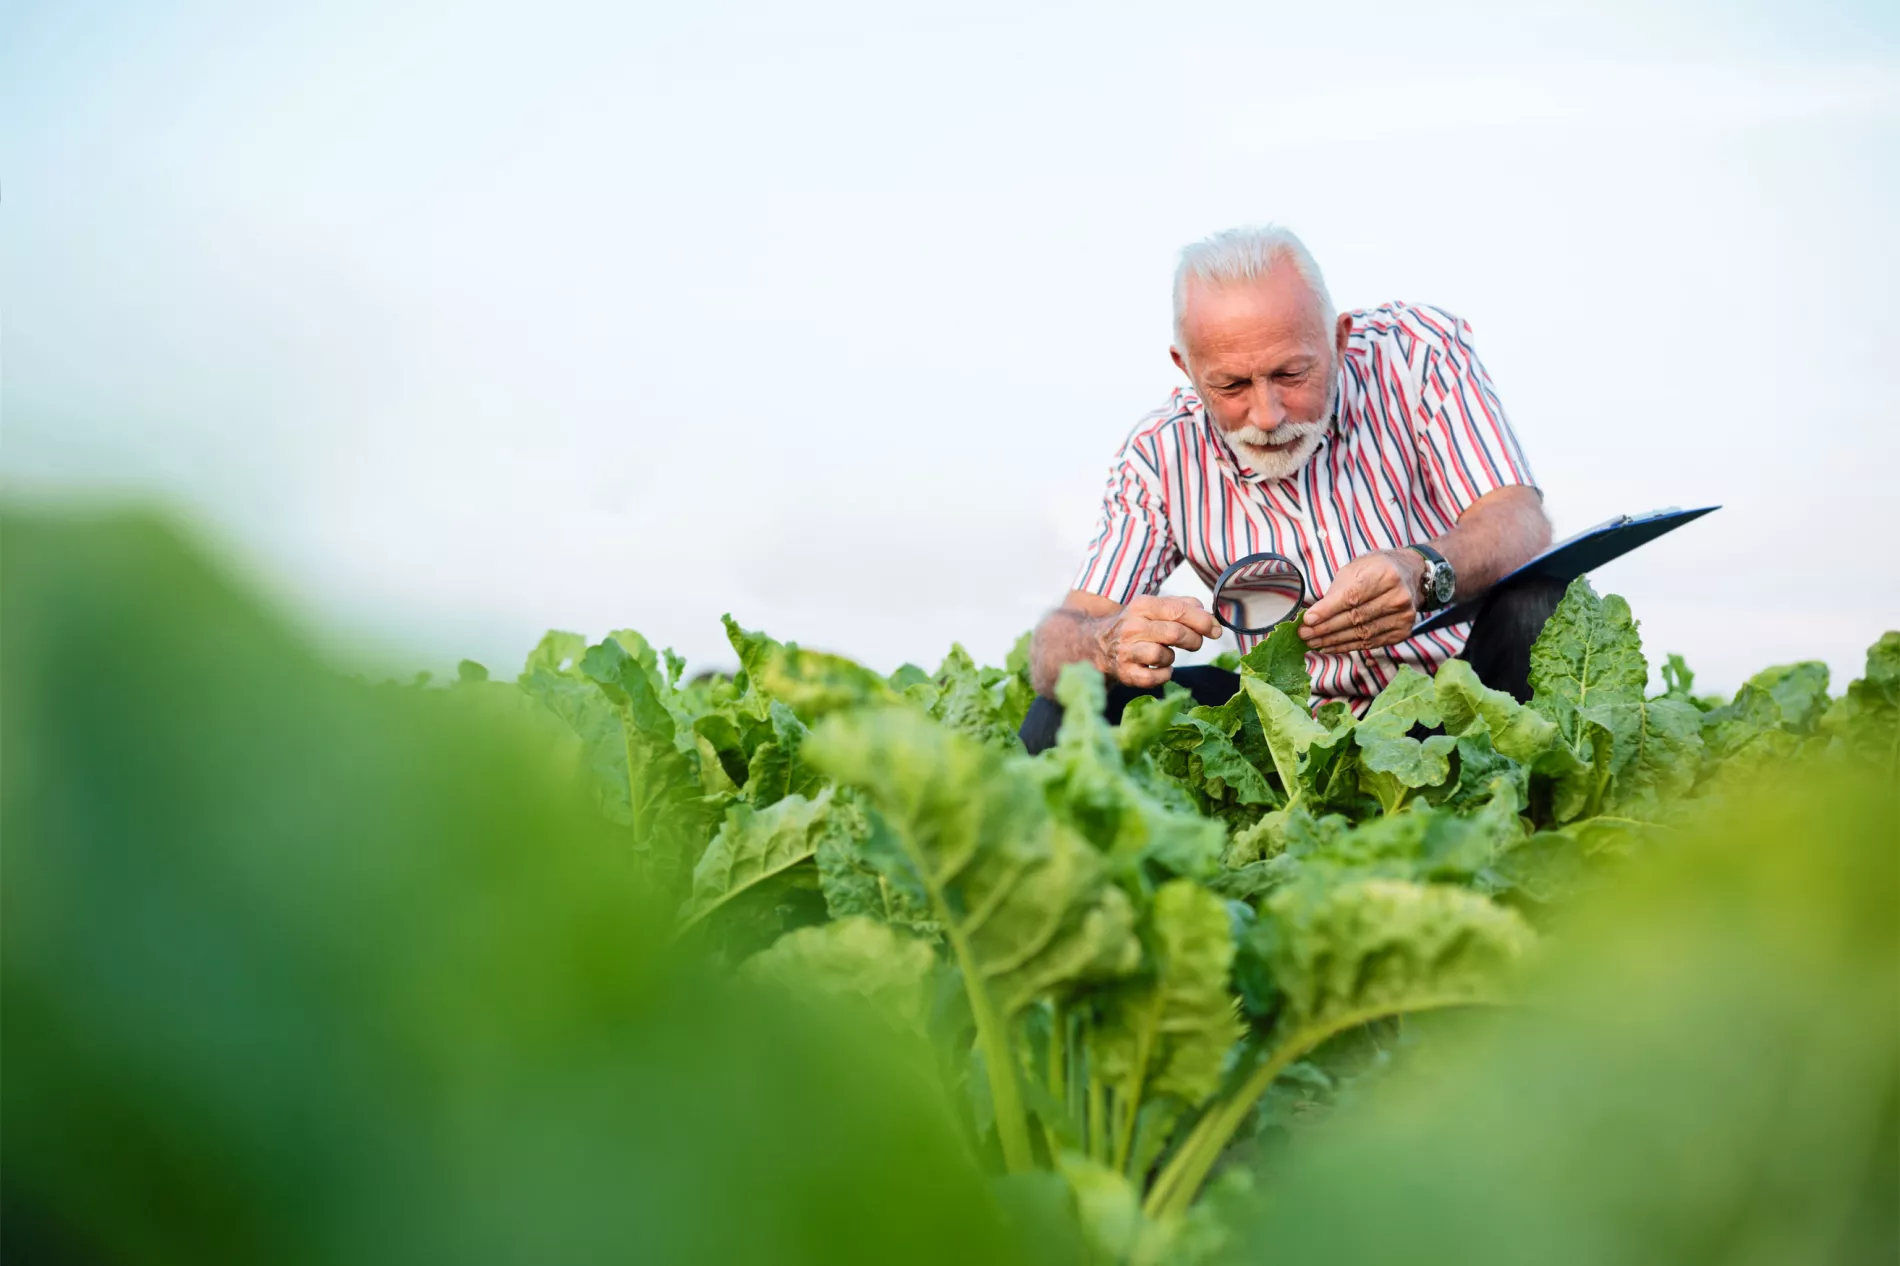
{"points": [[1435, 561]]}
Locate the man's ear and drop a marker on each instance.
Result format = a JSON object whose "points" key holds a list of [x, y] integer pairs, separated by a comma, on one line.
{"points": [[1180, 362], [1342, 330]]}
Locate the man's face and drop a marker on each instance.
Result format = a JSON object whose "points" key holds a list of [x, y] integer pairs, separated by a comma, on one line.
{"points": [[1263, 362]]}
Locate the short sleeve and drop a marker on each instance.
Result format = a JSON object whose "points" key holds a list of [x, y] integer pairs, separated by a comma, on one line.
{"points": [[1133, 551], [1466, 445]]}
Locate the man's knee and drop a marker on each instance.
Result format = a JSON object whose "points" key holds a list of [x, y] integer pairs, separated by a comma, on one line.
{"points": [[1521, 609], [1040, 725], [1499, 649]]}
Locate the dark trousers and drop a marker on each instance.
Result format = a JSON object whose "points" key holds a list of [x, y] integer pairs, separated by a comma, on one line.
{"points": [[1499, 651]]}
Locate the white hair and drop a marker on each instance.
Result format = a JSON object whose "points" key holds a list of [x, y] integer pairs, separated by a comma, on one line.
{"points": [[1246, 254]]}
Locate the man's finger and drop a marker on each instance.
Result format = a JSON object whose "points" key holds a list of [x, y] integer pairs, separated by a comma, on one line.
{"points": [[1346, 637], [1393, 631], [1330, 625], [1144, 678], [1325, 623], [1329, 605], [1146, 654], [1167, 632], [1386, 631], [1189, 611], [1337, 601]]}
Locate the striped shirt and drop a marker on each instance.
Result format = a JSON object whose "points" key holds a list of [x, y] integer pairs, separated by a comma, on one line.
{"points": [[1418, 436]]}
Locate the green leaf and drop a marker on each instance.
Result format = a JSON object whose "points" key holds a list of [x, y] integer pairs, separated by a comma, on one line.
{"points": [[906, 676], [1392, 764], [1588, 664], [1392, 767], [1409, 699], [1468, 706], [1280, 661], [556, 652], [1165, 1036], [1294, 829], [1482, 772], [812, 683], [854, 957], [1023, 901], [1341, 956], [1545, 868], [1382, 947], [1147, 719], [1665, 758], [1678, 679], [1114, 795], [642, 651], [1108, 1207], [1799, 691], [1879, 688], [1017, 694], [1517, 733], [967, 705], [589, 714], [1288, 727], [1588, 674], [755, 848], [776, 770], [1866, 720], [1421, 843], [722, 748], [1203, 758], [854, 884], [672, 819]]}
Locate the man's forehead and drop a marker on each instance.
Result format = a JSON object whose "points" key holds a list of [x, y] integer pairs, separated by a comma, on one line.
{"points": [[1277, 310]]}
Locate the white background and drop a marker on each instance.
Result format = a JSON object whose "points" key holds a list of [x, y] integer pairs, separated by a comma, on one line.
{"points": [[458, 323]]}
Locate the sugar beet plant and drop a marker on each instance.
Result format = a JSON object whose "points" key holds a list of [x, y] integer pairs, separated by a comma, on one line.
{"points": [[297, 969], [1135, 954]]}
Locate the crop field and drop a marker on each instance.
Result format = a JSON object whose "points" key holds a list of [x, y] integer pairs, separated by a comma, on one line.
{"points": [[602, 961]]}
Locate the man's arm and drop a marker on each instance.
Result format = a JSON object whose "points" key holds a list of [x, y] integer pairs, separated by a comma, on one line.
{"points": [[1375, 599], [1131, 644]]}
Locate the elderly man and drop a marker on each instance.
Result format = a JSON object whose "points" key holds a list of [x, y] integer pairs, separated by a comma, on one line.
{"points": [[1367, 446]]}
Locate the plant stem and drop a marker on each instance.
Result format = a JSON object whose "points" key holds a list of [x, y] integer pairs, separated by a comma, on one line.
{"points": [[1166, 1180], [1098, 1119], [1058, 1054], [1012, 1129], [1181, 1180], [992, 1037]]}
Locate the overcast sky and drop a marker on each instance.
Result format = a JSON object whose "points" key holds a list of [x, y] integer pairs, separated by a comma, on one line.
{"points": [[460, 322]]}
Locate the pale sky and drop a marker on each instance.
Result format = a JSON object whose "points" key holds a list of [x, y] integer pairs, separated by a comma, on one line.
{"points": [[460, 322]]}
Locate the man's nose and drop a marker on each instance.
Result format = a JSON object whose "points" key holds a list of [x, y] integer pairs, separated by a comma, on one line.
{"points": [[1267, 410]]}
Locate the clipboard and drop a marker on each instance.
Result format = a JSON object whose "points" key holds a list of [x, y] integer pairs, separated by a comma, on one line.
{"points": [[1573, 556]]}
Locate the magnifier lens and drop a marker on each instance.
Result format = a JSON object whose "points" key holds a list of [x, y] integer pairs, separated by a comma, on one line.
{"points": [[1259, 592]]}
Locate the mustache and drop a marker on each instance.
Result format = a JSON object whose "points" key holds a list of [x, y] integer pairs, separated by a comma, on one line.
{"points": [[1280, 437]]}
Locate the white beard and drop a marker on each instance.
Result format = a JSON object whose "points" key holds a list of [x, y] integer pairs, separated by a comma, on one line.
{"points": [[1275, 456]]}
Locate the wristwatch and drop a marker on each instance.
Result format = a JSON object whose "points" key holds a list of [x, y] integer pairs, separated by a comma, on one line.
{"points": [[1440, 580]]}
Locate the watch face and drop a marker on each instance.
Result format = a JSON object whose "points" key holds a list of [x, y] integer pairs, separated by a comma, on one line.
{"points": [[1443, 583]]}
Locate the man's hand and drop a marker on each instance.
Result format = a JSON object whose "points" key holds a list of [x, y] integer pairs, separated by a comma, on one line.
{"points": [[1373, 603], [1132, 644], [1136, 644]]}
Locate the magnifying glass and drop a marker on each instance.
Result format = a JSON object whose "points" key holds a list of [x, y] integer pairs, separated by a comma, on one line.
{"points": [[1258, 592]]}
